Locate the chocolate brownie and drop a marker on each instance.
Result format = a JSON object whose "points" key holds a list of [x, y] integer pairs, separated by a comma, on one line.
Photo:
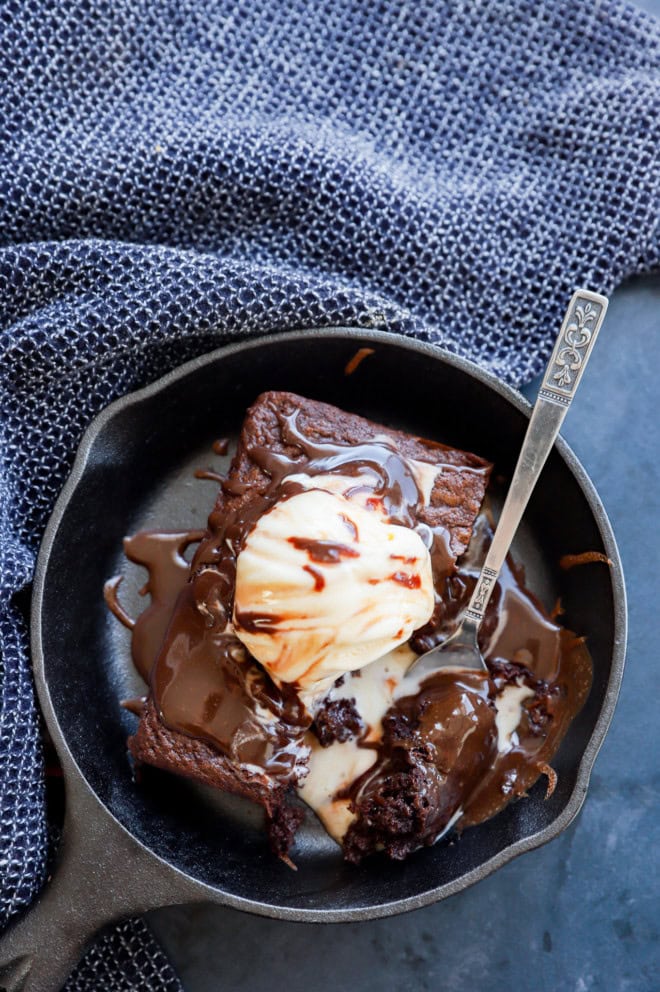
{"points": [[213, 713], [283, 432]]}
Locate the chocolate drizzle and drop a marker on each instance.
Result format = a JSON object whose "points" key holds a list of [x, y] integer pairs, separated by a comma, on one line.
{"points": [[216, 703], [521, 628], [203, 683], [585, 558], [209, 475], [437, 758], [406, 579], [323, 552], [257, 623], [207, 686], [376, 465], [357, 359], [545, 718], [111, 596], [436, 746], [162, 554], [438, 755], [319, 578], [221, 446]]}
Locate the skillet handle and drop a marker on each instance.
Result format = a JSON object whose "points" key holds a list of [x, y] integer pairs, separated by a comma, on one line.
{"points": [[102, 876]]}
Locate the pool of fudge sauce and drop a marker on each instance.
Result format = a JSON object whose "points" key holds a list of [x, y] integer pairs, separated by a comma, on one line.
{"points": [[230, 702], [464, 742], [162, 555]]}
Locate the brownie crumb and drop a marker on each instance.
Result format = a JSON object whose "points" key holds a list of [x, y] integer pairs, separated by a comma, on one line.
{"points": [[283, 823], [514, 673], [509, 672], [398, 726], [337, 720], [538, 715]]}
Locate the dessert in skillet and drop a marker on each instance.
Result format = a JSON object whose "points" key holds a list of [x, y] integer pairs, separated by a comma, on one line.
{"points": [[338, 549]]}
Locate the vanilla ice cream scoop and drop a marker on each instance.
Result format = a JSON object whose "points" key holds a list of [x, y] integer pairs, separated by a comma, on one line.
{"points": [[324, 586]]}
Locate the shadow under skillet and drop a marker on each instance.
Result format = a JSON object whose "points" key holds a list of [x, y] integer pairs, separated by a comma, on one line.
{"points": [[582, 909]]}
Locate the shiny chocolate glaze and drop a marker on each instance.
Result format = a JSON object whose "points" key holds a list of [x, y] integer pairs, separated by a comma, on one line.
{"points": [[162, 554], [208, 687], [436, 745], [231, 704], [209, 475], [584, 558], [220, 446], [437, 761], [323, 552], [357, 359], [202, 681]]}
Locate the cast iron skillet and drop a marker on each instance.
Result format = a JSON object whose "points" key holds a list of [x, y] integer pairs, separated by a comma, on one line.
{"points": [[130, 847]]}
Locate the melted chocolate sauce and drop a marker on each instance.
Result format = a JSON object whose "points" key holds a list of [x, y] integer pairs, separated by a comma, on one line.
{"points": [[436, 747], [209, 475], [134, 705], [357, 359], [438, 752], [162, 554], [319, 578], [406, 579], [351, 527], [585, 558], [257, 623], [203, 683], [380, 470], [439, 743], [545, 719], [395, 484], [111, 596], [323, 552]]}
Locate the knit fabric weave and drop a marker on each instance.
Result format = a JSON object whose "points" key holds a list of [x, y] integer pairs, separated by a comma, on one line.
{"points": [[175, 175]]}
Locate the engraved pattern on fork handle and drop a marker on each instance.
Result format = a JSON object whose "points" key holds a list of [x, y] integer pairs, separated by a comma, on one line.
{"points": [[481, 594], [573, 346]]}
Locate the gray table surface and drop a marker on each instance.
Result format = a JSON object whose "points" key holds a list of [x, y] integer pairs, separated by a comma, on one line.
{"points": [[583, 913]]}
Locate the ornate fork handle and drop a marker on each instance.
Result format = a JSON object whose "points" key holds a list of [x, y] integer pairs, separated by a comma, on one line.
{"points": [[576, 339]]}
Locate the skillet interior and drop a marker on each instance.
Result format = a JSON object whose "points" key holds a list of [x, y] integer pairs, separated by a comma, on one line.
{"points": [[138, 473]]}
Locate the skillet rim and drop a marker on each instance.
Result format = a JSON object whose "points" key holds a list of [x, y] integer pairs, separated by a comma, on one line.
{"points": [[75, 776]]}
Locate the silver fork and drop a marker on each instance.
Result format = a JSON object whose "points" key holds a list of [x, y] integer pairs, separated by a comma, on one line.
{"points": [[573, 347]]}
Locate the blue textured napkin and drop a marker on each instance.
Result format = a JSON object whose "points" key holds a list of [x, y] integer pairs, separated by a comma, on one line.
{"points": [[174, 175]]}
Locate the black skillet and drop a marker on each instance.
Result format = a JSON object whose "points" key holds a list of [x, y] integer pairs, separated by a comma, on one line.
{"points": [[130, 847]]}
